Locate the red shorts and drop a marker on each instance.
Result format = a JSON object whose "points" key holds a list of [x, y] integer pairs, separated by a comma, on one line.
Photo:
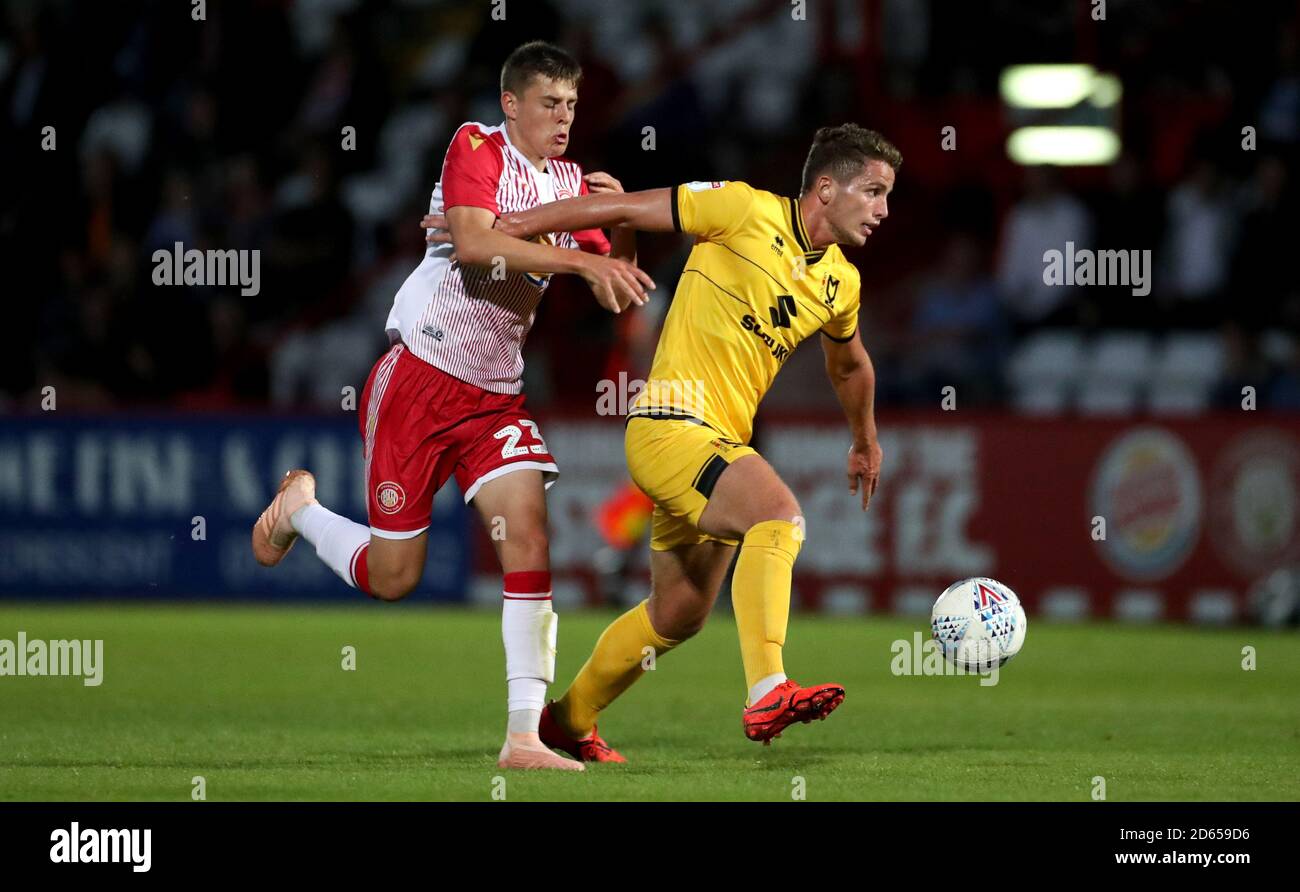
{"points": [[420, 425]]}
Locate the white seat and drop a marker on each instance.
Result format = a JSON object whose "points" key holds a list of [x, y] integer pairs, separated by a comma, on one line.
{"points": [[1108, 398], [1052, 357], [1170, 397], [1190, 357], [1120, 358], [1041, 399]]}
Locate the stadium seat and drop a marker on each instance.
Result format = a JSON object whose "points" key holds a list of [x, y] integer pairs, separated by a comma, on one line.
{"points": [[1178, 397], [1191, 356], [1102, 397], [1044, 369], [1053, 356], [1041, 399], [1186, 369], [1117, 367], [1120, 358]]}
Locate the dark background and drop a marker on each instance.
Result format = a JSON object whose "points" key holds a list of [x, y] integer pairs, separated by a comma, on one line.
{"points": [[225, 133]]}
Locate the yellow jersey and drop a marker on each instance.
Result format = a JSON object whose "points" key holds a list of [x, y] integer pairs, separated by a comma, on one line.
{"points": [[753, 288]]}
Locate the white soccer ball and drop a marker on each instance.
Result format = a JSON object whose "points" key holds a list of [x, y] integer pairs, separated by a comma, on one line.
{"points": [[979, 623]]}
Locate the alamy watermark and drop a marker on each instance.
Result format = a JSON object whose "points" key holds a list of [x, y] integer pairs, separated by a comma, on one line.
{"points": [[82, 657], [1084, 266], [676, 396], [76, 845], [917, 657], [194, 267]]}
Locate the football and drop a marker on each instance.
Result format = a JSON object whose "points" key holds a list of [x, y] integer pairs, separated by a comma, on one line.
{"points": [[979, 623]]}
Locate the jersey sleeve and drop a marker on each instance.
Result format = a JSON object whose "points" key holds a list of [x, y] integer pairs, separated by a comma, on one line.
{"points": [[471, 171], [713, 211], [846, 302], [593, 241]]}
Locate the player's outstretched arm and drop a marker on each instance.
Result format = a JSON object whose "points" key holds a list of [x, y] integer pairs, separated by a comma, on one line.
{"points": [[647, 211], [854, 379], [622, 240], [615, 283]]}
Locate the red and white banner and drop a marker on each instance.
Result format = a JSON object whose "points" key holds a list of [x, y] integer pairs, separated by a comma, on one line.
{"points": [[1149, 520]]}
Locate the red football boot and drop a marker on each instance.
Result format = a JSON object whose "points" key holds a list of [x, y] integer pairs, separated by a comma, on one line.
{"points": [[589, 749], [786, 704]]}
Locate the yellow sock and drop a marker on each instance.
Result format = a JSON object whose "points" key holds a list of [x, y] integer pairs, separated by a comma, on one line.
{"points": [[760, 595], [614, 664]]}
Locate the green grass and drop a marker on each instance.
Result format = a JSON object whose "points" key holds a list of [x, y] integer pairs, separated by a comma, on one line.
{"points": [[255, 701]]}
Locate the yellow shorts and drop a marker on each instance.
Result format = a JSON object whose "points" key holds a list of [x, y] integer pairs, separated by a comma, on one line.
{"points": [[677, 463]]}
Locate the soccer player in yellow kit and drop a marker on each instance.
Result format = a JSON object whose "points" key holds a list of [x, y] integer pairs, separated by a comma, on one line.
{"points": [[765, 273]]}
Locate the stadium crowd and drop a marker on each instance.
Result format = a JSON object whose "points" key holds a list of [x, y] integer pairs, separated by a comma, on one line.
{"points": [[229, 133]]}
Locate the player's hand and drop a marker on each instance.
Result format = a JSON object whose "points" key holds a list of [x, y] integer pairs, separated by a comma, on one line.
{"points": [[441, 234], [602, 182], [864, 470], [616, 283]]}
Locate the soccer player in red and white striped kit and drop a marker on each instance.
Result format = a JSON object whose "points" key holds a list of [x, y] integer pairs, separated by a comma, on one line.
{"points": [[446, 398]]}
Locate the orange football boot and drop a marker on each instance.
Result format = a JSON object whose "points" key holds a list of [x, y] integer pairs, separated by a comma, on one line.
{"points": [[589, 749], [786, 704]]}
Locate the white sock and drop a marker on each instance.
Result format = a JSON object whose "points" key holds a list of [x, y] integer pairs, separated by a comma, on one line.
{"points": [[337, 539], [764, 686], [528, 632]]}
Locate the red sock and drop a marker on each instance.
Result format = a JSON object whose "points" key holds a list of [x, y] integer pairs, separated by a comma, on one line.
{"points": [[360, 571], [528, 585]]}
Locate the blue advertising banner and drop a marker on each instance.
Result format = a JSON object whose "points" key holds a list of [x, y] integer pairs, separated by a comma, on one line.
{"points": [[127, 506]]}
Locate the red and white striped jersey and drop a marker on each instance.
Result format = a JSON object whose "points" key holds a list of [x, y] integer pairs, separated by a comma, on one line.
{"points": [[471, 322]]}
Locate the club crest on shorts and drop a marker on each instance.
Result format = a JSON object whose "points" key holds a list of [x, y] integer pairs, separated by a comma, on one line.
{"points": [[390, 496]]}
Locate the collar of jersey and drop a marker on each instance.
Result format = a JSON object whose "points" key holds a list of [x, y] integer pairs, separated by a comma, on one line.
{"points": [[801, 235], [505, 135]]}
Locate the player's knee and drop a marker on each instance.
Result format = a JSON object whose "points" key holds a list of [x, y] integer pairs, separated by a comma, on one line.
{"points": [[394, 584], [785, 531], [527, 549], [783, 508], [682, 627], [678, 613]]}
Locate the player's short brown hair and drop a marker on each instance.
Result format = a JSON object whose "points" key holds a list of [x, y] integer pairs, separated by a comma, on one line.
{"points": [[842, 151], [537, 58]]}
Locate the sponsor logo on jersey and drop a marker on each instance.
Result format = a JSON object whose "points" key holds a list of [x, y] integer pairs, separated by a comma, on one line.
{"points": [[832, 290], [784, 309], [541, 279], [779, 351]]}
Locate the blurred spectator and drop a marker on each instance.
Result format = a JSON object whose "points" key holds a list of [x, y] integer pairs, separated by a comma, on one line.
{"points": [[959, 330], [1046, 219], [1199, 242]]}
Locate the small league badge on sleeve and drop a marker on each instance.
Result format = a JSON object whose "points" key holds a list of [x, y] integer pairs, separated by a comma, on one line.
{"points": [[698, 186]]}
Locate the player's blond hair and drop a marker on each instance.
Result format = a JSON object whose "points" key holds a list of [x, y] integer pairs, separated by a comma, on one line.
{"points": [[842, 151]]}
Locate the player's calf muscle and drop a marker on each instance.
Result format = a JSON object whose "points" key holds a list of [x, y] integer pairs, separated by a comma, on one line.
{"points": [[395, 566], [394, 585]]}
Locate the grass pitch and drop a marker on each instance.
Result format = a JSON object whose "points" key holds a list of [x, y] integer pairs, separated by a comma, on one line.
{"points": [[255, 701]]}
